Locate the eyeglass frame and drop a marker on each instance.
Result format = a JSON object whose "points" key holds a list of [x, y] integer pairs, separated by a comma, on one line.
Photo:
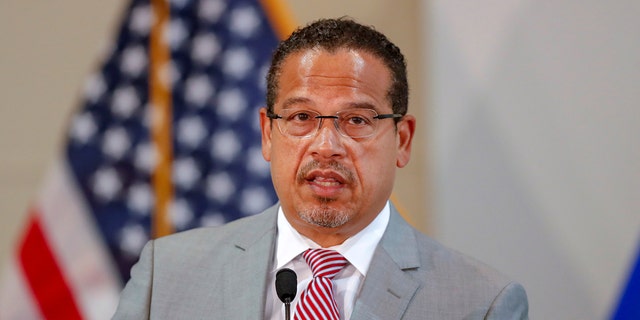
{"points": [[274, 116]]}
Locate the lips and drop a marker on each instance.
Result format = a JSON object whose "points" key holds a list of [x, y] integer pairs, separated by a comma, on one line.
{"points": [[325, 180], [327, 185]]}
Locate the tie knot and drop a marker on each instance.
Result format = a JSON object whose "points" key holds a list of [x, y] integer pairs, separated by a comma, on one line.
{"points": [[324, 263]]}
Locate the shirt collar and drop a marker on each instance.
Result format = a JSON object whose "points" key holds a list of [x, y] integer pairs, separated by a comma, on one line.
{"points": [[358, 249]]}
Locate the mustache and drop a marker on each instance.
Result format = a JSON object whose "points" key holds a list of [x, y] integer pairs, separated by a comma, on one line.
{"points": [[336, 166]]}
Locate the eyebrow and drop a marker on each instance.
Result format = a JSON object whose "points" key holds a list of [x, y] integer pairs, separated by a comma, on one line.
{"points": [[293, 101], [351, 105], [362, 105]]}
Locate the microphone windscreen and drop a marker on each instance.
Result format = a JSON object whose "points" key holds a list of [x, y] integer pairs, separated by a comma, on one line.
{"points": [[286, 285]]}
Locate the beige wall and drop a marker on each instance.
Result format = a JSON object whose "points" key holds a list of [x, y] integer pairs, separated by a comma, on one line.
{"points": [[48, 48]]}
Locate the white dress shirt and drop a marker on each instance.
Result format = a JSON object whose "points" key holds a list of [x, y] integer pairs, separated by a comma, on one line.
{"points": [[358, 250]]}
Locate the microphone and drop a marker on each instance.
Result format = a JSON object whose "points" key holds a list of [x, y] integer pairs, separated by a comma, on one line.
{"points": [[286, 288]]}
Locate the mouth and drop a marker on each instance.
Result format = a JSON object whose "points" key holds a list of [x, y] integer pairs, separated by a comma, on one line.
{"points": [[326, 185], [328, 179], [325, 182]]}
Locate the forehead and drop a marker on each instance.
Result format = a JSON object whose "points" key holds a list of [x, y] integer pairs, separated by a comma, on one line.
{"points": [[344, 72]]}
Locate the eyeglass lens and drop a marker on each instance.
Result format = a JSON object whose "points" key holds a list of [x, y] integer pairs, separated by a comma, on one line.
{"points": [[354, 123]]}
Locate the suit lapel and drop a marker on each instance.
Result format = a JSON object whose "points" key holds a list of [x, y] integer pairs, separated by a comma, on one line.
{"points": [[247, 268], [387, 289], [385, 293]]}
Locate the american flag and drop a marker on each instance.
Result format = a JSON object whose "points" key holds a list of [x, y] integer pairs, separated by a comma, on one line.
{"points": [[167, 138]]}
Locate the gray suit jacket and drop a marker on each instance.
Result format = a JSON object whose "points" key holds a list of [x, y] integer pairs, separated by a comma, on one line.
{"points": [[221, 273]]}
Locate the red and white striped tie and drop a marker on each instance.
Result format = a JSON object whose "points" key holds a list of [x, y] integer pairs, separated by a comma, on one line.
{"points": [[317, 302]]}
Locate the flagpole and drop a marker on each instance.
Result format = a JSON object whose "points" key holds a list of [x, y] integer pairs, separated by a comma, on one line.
{"points": [[161, 119]]}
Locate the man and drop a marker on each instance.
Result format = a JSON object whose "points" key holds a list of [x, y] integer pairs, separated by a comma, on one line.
{"points": [[335, 129]]}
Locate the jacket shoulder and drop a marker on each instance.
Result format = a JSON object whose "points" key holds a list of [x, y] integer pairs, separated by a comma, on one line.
{"points": [[199, 241], [447, 262], [466, 284]]}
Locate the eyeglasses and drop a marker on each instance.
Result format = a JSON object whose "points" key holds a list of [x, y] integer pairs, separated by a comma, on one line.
{"points": [[352, 123]]}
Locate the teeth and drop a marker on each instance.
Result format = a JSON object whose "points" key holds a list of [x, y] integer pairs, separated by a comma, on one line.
{"points": [[326, 182]]}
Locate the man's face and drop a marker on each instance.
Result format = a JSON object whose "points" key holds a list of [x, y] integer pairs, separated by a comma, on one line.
{"points": [[331, 186]]}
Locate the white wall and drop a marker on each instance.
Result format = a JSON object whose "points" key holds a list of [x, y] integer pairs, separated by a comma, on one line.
{"points": [[536, 143]]}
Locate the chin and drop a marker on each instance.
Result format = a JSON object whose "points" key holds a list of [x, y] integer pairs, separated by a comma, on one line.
{"points": [[325, 216]]}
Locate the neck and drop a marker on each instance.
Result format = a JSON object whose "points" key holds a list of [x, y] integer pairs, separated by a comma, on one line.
{"points": [[325, 238], [328, 237]]}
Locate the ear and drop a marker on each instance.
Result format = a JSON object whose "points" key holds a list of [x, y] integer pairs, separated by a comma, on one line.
{"points": [[265, 129], [406, 130]]}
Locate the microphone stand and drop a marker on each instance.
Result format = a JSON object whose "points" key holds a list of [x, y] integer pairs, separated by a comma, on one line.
{"points": [[287, 309]]}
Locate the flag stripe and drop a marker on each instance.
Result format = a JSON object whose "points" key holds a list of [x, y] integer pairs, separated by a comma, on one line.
{"points": [[76, 245], [160, 96], [16, 299], [82, 272], [44, 275]]}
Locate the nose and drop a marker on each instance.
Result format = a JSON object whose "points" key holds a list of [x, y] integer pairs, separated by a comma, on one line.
{"points": [[327, 143]]}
